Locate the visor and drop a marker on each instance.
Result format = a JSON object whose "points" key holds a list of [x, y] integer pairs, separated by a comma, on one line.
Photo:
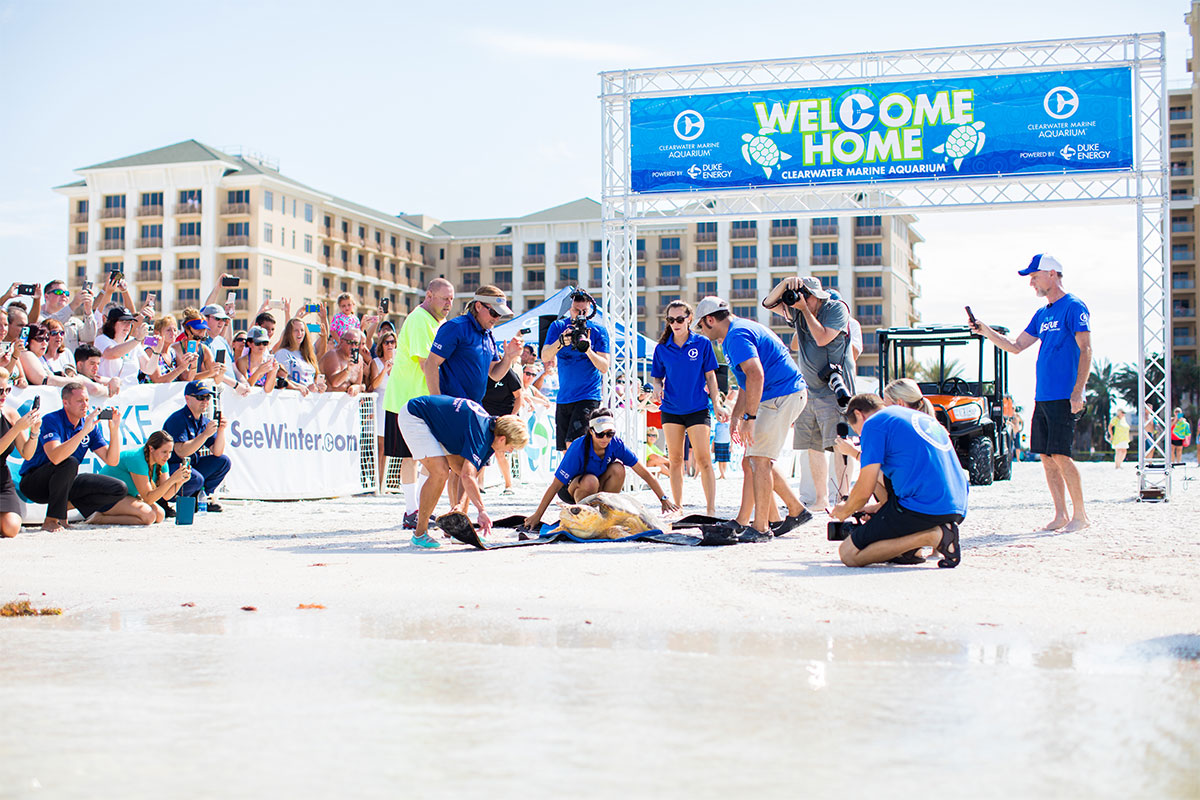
{"points": [[603, 424], [197, 325], [496, 303]]}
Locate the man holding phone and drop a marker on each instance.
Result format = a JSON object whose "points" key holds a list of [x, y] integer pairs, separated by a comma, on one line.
{"points": [[52, 476], [192, 430], [343, 366]]}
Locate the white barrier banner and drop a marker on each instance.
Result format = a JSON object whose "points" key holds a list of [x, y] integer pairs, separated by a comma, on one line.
{"points": [[287, 447]]}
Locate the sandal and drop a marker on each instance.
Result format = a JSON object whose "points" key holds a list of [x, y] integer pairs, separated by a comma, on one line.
{"points": [[948, 547], [911, 557]]}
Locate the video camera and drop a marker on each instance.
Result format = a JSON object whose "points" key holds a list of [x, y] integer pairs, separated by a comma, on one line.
{"points": [[840, 530], [577, 332], [832, 375]]}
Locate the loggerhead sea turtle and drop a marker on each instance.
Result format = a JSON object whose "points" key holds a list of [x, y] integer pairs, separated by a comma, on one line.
{"points": [[762, 150], [605, 515], [961, 141]]}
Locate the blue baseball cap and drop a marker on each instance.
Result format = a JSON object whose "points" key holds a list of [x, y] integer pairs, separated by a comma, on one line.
{"points": [[198, 389], [1042, 262]]}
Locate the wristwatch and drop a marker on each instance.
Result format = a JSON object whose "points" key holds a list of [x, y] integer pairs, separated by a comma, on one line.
{"points": [[749, 416]]}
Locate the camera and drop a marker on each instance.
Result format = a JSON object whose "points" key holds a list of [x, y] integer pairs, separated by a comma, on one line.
{"points": [[840, 530], [29, 289], [832, 375], [230, 280], [581, 337], [384, 304], [106, 413]]}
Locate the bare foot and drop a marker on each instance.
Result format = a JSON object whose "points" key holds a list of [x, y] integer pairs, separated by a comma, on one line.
{"points": [[1076, 525], [1055, 524], [52, 524]]}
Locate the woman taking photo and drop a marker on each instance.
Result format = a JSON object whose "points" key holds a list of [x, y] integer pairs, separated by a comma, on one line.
{"points": [[593, 463], [161, 363], [258, 367], [34, 361], [58, 358], [195, 331], [298, 355], [19, 433], [144, 472], [684, 373], [118, 342], [377, 379]]}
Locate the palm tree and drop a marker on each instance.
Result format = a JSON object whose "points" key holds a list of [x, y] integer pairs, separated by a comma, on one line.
{"points": [[1098, 397]]}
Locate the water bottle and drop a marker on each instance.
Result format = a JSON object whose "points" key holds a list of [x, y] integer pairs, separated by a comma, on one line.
{"points": [[202, 502]]}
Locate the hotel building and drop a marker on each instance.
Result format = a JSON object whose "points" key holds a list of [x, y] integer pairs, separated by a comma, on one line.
{"points": [[175, 218]]}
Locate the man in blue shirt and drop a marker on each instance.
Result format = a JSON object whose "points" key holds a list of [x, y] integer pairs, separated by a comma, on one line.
{"points": [[464, 354], [1064, 360], [192, 430], [52, 475], [579, 369], [452, 435], [925, 486], [771, 396], [596, 462]]}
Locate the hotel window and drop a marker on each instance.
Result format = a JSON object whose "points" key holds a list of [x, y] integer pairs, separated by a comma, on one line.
{"points": [[868, 282], [745, 251], [240, 324], [502, 251], [268, 232], [293, 208], [81, 238], [189, 197], [568, 248], [235, 264], [745, 224], [114, 266], [189, 297], [266, 266], [597, 276], [114, 201], [152, 198], [238, 196], [308, 276], [706, 288], [568, 275], [308, 243], [269, 202], [783, 251], [293, 238], [151, 265], [535, 249], [829, 282], [669, 274], [825, 248], [345, 257], [707, 255], [362, 261], [189, 229], [362, 232], [308, 212], [81, 207], [237, 229], [706, 227], [152, 231]]}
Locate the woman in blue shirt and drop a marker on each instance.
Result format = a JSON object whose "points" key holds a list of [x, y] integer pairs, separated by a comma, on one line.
{"points": [[594, 463], [685, 381], [144, 473]]}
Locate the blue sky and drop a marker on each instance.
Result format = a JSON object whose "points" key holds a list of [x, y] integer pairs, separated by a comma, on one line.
{"points": [[487, 109]]}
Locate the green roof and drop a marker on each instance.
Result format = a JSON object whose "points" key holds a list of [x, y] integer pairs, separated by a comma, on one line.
{"points": [[180, 153], [584, 208], [473, 228]]}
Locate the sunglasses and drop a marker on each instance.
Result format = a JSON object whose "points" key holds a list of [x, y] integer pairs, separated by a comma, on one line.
{"points": [[41, 338], [5, 390], [59, 292], [239, 339], [57, 333], [673, 320], [530, 374], [260, 344], [605, 435], [495, 314]]}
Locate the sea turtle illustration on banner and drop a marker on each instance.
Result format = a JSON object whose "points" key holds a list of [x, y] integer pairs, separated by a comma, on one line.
{"points": [[961, 142], [762, 150]]}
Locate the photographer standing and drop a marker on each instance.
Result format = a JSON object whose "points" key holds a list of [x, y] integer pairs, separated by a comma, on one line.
{"points": [[827, 361], [924, 494], [581, 347]]}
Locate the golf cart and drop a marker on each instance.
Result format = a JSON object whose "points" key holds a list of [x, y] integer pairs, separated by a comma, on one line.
{"points": [[978, 413]]}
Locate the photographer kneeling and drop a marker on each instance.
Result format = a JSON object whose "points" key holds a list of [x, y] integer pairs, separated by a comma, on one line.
{"points": [[924, 494]]}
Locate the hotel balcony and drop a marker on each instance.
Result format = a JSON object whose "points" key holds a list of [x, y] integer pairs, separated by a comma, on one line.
{"points": [[868, 230], [824, 260], [150, 211], [783, 261], [326, 260], [150, 241], [501, 261], [112, 244], [743, 233], [79, 219], [504, 286], [235, 208], [706, 266], [706, 236], [235, 241], [668, 255], [823, 230], [743, 294], [189, 208], [743, 263], [187, 241], [187, 274], [532, 258], [239, 272], [784, 232], [566, 258], [149, 276], [78, 248], [112, 213], [868, 291], [595, 258], [870, 319], [534, 286], [469, 261]]}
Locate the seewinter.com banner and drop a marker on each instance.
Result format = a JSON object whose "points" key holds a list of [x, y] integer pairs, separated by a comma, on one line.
{"points": [[1042, 122]]}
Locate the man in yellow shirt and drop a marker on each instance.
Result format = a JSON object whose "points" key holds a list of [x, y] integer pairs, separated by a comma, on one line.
{"points": [[408, 381]]}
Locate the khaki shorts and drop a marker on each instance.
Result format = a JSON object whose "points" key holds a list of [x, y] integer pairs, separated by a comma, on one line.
{"points": [[775, 418], [816, 429]]}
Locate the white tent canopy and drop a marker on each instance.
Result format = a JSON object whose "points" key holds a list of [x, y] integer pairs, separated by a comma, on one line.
{"points": [[554, 305]]}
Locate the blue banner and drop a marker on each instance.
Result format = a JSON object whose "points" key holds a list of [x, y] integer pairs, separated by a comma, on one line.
{"points": [[1065, 121]]}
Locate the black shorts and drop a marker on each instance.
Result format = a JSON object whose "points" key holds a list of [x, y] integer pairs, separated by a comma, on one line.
{"points": [[570, 420], [1052, 428], [686, 420], [393, 441], [1176, 442], [894, 520]]}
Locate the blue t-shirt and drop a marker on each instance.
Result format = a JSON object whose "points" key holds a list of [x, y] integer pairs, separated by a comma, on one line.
{"points": [[1058, 355], [469, 351], [916, 455], [578, 378], [747, 339], [462, 426], [721, 433], [183, 427], [57, 428], [683, 369], [575, 462]]}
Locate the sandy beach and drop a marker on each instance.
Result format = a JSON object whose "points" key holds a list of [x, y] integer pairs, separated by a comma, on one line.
{"points": [[1119, 597]]}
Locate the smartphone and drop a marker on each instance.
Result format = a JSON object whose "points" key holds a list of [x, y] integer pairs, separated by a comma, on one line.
{"points": [[107, 413], [217, 417], [384, 304], [220, 356], [276, 304], [37, 403], [314, 328], [312, 308], [116, 277], [152, 341], [25, 336], [230, 297], [354, 356], [87, 286], [971, 316], [27, 288], [191, 346], [230, 280], [526, 331]]}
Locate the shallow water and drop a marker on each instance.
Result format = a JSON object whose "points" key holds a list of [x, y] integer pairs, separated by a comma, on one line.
{"points": [[188, 704]]}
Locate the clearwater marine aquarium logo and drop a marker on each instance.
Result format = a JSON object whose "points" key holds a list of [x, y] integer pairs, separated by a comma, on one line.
{"points": [[689, 124], [929, 429]]}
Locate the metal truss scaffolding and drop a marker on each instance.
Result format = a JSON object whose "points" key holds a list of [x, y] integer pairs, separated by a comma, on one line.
{"points": [[623, 210]]}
